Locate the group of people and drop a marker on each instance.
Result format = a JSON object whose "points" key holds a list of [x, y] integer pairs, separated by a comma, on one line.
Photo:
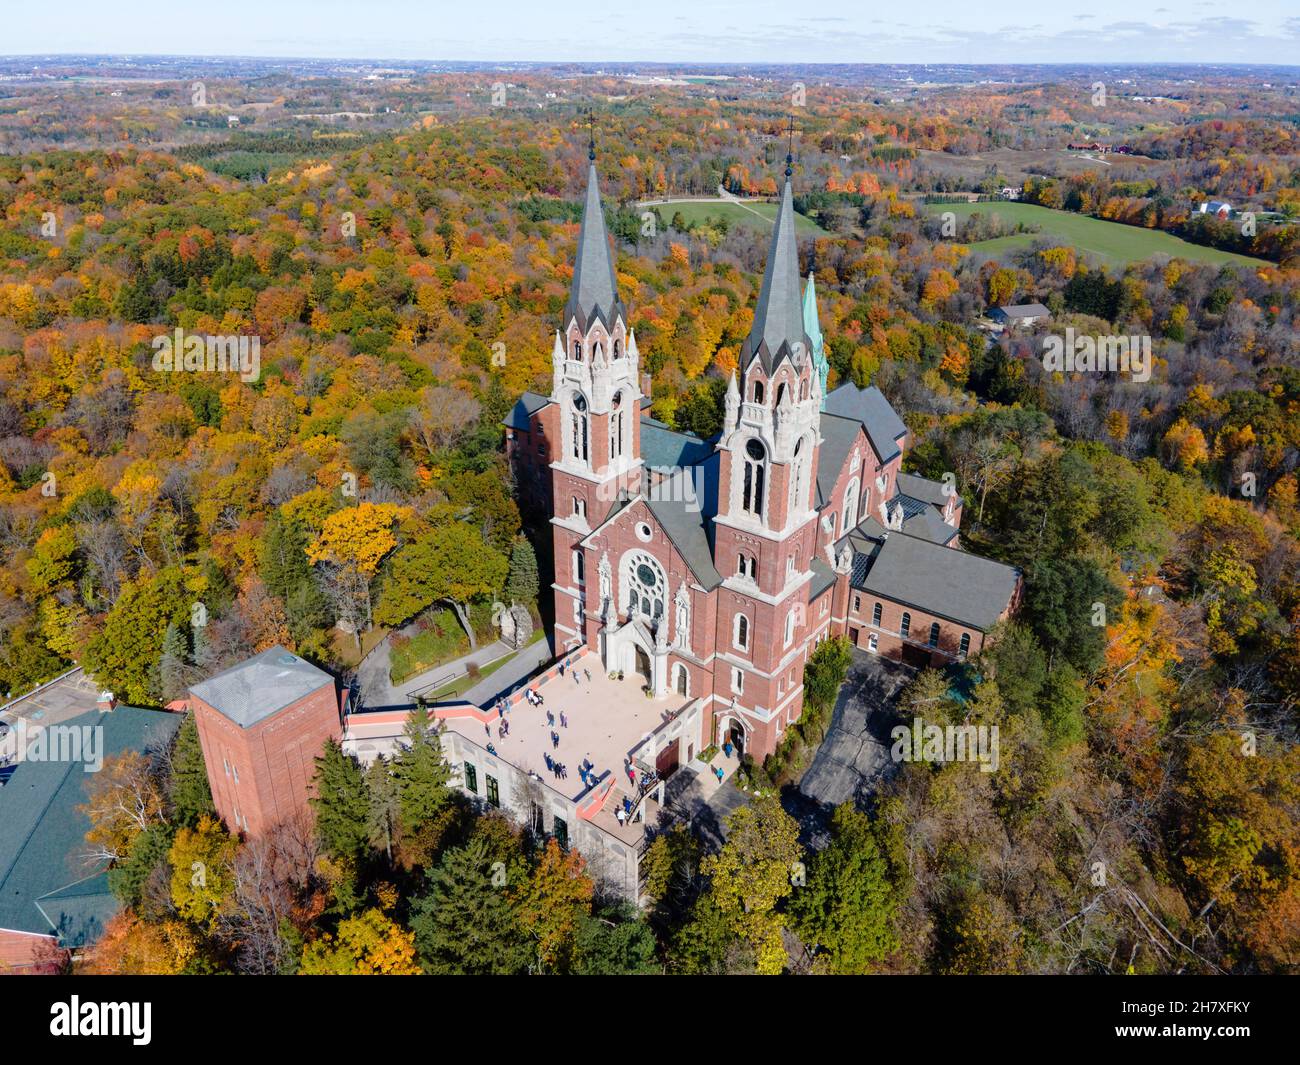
{"points": [[558, 769]]}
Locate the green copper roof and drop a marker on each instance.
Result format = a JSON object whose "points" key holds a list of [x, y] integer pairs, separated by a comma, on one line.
{"points": [[812, 326]]}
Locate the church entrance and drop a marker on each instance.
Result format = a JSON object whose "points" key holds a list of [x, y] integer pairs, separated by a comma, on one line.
{"points": [[643, 664], [668, 760], [736, 737]]}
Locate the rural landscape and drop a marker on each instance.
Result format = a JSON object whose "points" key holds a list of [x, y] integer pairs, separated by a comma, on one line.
{"points": [[390, 447]]}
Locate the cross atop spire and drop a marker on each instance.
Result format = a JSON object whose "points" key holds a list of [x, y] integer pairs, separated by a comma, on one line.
{"points": [[591, 135], [789, 154]]}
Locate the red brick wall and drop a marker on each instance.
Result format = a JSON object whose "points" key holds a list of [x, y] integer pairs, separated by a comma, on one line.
{"points": [[890, 643], [274, 759]]}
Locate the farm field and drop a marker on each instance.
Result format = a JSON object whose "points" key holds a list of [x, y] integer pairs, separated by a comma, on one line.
{"points": [[1112, 242], [754, 215]]}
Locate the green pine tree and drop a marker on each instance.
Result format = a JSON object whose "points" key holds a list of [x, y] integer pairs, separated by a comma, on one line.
{"points": [[188, 790], [421, 774], [522, 584]]}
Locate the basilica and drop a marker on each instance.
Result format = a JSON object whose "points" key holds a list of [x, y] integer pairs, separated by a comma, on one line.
{"points": [[712, 568]]}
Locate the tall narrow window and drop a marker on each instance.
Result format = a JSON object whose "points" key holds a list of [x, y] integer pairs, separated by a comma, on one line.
{"points": [[580, 425], [934, 634], [964, 649], [905, 625], [560, 830], [754, 478], [576, 354], [742, 632], [758, 391], [493, 794], [471, 778], [789, 628], [875, 615], [616, 428], [579, 567]]}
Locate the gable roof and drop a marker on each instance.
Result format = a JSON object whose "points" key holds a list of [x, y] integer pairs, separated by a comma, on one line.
{"points": [[594, 292], [521, 414], [870, 407], [46, 887], [939, 580], [778, 317], [662, 447], [685, 518], [1023, 310], [262, 685], [838, 437]]}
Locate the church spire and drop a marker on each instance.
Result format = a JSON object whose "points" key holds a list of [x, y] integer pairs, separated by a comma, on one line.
{"points": [[778, 319], [812, 326], [594, 293]]}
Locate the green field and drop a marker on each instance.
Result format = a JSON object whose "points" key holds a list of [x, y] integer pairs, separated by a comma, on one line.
{"points": [[753, 215], [1112, 242]]}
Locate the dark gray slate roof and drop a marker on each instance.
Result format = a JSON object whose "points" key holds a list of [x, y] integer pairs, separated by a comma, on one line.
{"points": [[823, 579], [940, 580], [45, 885], [1023, 310], [594, 293], [778, 316], [922, 488], [838, 435], [928, 524], [520, 416], [661, 446], [870, 407], [687, 524], [258, 687]]}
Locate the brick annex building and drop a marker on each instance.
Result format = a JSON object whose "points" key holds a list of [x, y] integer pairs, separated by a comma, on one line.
{"points": [[713, 568]]}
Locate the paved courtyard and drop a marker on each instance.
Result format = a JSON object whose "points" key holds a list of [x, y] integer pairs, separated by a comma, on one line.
{"points": [[855, 754]]}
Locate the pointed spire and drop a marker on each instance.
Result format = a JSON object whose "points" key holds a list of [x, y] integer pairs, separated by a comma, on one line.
{"points": [[594, 293], [778, 318], [812, 326]]}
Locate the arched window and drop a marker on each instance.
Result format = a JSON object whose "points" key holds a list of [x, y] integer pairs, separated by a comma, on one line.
{"points": [[579, 567], [598, 352], [934, 634], [780, 393], [758, 391], [616, 428], [683, 680], [789, 628], [645, 586], [755, 475], [905, 625], [740, 632], [580, 427], [875, 615], [576, 353], [803, 391], [746, 566], [850, 506], [964, 649], [618, 349]]}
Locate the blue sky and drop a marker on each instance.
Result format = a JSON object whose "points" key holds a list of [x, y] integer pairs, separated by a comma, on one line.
{"points": [[839, 31]]}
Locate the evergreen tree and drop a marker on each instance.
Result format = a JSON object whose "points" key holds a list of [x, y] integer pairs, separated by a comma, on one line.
{"points": [[522, 584], [188, 790], [341, 804], [383, 817], [468, 923], [421, 774], [616, 943]]}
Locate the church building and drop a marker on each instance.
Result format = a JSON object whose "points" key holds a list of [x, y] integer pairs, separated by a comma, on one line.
{"points": [[712, 568]]}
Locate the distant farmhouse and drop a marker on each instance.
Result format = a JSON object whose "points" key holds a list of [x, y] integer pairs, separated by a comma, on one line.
{"points": [[1218, 208], [1019, 314]]}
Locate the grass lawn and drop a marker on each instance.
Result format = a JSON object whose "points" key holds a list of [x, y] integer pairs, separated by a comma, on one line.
{"points": [[1112, 242], [443, 640], [736, 215], [463, 684]]}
